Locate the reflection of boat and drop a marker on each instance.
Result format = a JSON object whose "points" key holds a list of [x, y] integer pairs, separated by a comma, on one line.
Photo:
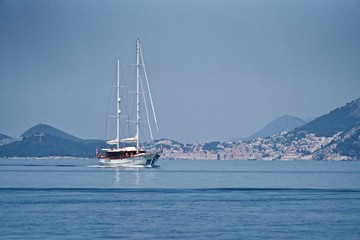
{"points": [[127, 151]]}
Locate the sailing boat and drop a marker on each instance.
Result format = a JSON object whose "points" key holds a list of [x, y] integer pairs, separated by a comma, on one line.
{"points": [[130, 154]]}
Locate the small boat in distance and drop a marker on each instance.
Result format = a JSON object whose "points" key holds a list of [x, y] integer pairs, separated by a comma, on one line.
{"points": [[127, 152]]}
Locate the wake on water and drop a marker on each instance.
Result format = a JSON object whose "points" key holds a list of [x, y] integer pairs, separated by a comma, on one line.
{"points": [[124, 166]]}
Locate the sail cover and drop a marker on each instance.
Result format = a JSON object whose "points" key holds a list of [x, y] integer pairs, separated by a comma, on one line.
{"points": [[112, 142], [115, 141], [132, 139]]}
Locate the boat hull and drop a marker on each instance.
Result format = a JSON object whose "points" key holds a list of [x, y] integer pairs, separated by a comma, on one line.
{"points": [[139, 160]]}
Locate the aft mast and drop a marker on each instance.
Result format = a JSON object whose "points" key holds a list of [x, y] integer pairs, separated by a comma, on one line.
{"points": [[137, 95], [118, 111]]}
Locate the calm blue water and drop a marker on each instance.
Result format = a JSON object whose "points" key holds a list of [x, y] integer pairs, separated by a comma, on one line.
{"points": [[75, 199]]}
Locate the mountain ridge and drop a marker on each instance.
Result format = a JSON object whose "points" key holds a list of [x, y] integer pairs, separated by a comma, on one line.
{"points": [[43, 140], [280, 124], [44, 129], [3, 136], [340, 119], [337, 139], [333, 136], [46, 146]]}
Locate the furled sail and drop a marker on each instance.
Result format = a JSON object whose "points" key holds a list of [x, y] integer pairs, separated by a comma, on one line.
{"points": [[112, 142], [132, 139], [115, 141]]}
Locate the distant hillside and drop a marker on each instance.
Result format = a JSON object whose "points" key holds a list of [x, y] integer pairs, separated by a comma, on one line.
{"points": [[5, 139], [350, 144], [46, 146], [43, 129], [2, 136], [339, 120], [341, 126], [333, 136], [45, 141], [281, 124]]}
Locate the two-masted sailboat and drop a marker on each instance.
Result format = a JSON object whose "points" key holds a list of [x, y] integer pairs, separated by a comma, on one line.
{"points": [[127, 152]]}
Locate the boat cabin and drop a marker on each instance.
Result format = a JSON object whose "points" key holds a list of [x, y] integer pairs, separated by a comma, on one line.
{"points": [[119, 153]]}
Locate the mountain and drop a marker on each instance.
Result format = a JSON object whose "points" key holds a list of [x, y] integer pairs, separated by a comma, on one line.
{"points": [[339, 120], [43, 129], [281, 124], [5, 139], [45, 141], [46, 146], [350, 145], [341, 128], [2, 136], [333, 136]]}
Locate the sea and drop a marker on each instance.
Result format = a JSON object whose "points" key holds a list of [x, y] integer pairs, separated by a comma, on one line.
{"points": [[179, 199]]}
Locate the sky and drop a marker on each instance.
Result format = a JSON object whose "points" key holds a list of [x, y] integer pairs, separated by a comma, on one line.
{"points": [[218, 69]]}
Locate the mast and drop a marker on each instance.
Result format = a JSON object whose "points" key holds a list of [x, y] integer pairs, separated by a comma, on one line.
{"points": [[137, 95], [118, 111]]}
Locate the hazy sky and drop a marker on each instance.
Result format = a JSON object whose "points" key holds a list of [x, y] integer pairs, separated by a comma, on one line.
{"points": [[219, 69]]}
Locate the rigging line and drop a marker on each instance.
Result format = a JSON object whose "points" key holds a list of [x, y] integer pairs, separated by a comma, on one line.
{"points": [[146, 109], [109, 109], [129, 74], [148, 87], [126, 50]]}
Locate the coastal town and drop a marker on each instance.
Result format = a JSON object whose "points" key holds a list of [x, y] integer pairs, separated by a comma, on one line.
{"points": [[283, 146]]}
